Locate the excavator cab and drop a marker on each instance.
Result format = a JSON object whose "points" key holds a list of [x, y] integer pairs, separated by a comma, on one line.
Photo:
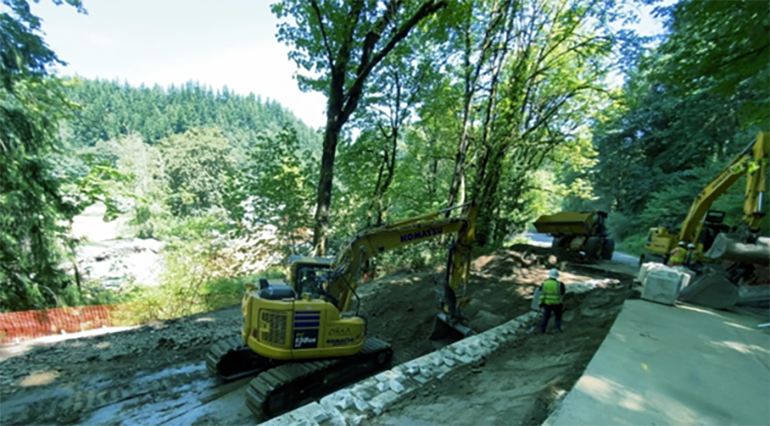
{"points": [[713, 224], [306, 272]]}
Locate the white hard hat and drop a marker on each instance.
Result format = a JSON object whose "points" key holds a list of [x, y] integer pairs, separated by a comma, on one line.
{"points": [[691, 245], [553, 273], [681, 244]]}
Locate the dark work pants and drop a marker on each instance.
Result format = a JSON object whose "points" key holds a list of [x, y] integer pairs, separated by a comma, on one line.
{"points": [[547, 309]]}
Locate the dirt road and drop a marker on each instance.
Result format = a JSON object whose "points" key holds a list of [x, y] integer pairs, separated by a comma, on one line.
{"points": [[155, 374]]}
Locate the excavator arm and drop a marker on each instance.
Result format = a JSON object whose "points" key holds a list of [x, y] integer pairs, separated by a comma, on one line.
{"points": [[342, 280], [752, 162], [756, 182]]}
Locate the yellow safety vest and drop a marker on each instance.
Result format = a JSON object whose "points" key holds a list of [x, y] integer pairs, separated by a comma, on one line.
{"points": [[677, 256], [551, 294]]}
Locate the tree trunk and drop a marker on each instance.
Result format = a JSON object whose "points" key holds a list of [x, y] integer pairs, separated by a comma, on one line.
{"points": [[320, 230], [458, 176], [486, 195], [375, 198]]}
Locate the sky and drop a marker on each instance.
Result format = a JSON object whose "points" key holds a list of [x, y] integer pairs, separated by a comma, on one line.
{"points": [[214, 42]]}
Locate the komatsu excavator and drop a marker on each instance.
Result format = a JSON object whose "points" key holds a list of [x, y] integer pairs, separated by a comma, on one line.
{"points": [[703, 227], [301, 338]]}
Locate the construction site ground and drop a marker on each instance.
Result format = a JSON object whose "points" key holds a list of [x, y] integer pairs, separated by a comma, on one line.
{"points": [[155, 374], [519, 383]]}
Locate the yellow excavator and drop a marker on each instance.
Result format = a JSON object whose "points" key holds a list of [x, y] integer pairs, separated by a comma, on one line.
{"points": [[703, 227], [301, 338]]}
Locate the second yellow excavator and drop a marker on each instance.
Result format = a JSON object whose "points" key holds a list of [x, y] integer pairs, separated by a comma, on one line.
{"points": [[301, 338], [715, 241]]}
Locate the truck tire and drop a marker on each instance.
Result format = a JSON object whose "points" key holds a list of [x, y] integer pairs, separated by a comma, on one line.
{"points": [[608, 249], [593, 248]]}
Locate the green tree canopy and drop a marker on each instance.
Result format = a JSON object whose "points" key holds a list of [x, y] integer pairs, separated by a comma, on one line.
{"points": [[197, 164], [31, 202]]}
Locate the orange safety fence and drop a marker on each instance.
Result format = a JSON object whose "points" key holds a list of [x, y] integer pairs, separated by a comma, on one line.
{"points": [[24, 325]]}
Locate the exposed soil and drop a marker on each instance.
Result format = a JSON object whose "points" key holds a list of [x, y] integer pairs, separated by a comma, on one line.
{"points": [[401, 308], [520, 383], [155, 374]]}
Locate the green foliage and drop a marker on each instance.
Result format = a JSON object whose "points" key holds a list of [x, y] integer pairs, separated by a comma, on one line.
{"points": [[147, 186], [512, 81], [275, 187], [720, 47], [690, 107], [331, 37], [339, 44], [110, 111], [197, 164], [31, 204], [191, 283]]}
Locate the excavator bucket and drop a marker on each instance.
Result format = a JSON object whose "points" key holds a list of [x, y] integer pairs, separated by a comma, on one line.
{"points": [[447, 331], [712, 290]]}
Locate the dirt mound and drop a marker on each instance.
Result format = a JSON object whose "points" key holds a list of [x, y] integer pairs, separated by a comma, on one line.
{"points": [[522, 256], [401, 308]]}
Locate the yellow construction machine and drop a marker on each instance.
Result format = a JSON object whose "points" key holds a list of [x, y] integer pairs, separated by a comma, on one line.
{"points": [[714, 240], [302, 338], [579, 231]]}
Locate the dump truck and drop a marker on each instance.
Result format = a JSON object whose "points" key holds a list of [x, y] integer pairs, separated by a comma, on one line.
{"points": [[579, 232]]}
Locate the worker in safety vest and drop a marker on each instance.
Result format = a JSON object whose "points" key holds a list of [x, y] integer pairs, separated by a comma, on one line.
{"points": [[677, 256], [551, 294], [690, 258]]}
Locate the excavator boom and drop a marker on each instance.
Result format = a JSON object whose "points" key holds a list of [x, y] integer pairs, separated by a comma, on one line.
{"points": [[375, 241]]}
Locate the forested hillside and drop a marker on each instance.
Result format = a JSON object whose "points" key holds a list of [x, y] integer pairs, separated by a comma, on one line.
{"points": [[108, 111]]}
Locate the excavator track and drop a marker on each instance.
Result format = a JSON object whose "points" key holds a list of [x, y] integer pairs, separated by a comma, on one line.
{"points": [[230, 360], [290, 385]]}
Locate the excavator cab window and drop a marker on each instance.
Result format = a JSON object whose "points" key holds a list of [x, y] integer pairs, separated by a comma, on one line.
{"points": [[715, 216], [712, 226], [308, 279]]}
